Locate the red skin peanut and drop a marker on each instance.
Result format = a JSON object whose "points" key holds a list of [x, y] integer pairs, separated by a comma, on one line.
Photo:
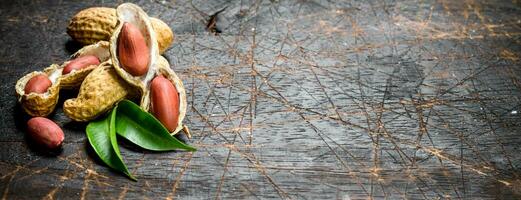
{"points": [[45, 132], [80, 63], [165, 102], [38, 84], [133, 51]]}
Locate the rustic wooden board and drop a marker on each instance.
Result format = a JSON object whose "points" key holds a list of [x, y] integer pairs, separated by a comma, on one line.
{"points": [[296, 100]]}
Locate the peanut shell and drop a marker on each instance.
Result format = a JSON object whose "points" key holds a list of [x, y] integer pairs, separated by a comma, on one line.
{"points": [[98, 23], [133, 14], [99, 92], [74, 79], [163, 67], [164, 34], [130, 13], [39, 105]]}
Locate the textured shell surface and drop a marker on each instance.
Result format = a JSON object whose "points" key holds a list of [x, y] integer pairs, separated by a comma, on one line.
{"points": [[133, 14], [40, 104], [99, 92], [98, 23], [92, 25], [164, 34]]}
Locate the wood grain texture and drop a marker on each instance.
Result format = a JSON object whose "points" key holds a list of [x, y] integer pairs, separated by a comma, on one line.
{"points": [[295, 100]]}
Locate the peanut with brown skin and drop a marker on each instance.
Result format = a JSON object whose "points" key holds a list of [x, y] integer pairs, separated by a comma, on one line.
{"points": [[80, 63], [133, 52], [165, 102], [38, 84], [45, 132]]}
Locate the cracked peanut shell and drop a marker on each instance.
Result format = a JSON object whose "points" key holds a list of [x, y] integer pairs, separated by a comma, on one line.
{"points": [[163, 68], [74, 79], [39, 105], [134, 15], [157, 65], [99, 92]]}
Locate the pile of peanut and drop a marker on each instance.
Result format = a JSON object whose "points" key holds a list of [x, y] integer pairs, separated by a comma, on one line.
{"points": [[121, 60]]}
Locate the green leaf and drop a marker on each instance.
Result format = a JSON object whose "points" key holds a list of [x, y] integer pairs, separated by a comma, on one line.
{"points": [[144, 130], [102, 138]]}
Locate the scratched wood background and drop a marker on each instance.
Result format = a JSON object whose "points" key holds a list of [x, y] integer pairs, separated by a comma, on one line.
{"points": [[303, 99]]}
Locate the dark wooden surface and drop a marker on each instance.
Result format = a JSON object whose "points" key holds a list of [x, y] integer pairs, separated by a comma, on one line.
{"points": [[299, 99]]}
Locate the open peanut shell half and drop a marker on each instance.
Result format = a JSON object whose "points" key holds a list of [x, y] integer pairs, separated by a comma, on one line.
{"points": [[74, 79], [163, 68], [39, 104], [133, 15]]}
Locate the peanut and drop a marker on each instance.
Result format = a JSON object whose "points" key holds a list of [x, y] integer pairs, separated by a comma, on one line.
{"points": [[80, 63], [45, 132], [164, 102], [38, 84], [133, 52]]}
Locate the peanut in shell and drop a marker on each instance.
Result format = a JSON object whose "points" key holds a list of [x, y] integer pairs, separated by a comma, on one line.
{"points": [[98, 23], [43, 104], [35, 104], [74, 79], [158, 65], [129, 13], [163, 68], [99, 92]]}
